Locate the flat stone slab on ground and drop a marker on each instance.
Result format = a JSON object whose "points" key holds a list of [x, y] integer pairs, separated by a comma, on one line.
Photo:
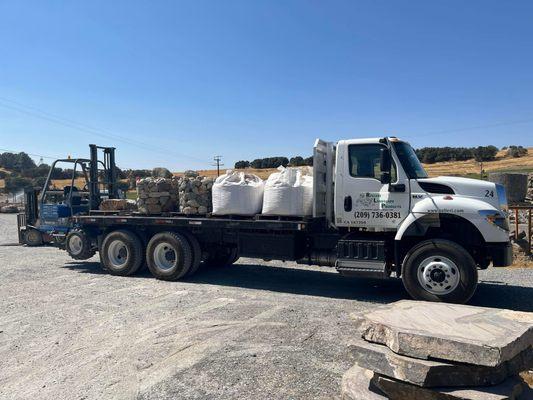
{"points": [[512, 389], [356, 385], [429, 373], [453, 332]]}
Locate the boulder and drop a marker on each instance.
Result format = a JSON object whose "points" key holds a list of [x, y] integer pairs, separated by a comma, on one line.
{"points": [[161, 173]]}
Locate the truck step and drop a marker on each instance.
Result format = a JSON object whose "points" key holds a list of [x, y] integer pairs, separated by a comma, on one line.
{"points": [[364, 258], [364, 269]]}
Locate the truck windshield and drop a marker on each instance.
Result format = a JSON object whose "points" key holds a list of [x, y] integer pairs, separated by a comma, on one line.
{"points": [[410, 162]]}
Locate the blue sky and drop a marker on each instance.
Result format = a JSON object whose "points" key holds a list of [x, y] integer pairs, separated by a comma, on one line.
{"points": [[172, 83]]}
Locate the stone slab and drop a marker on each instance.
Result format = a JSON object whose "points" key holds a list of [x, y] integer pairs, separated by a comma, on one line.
{"points": [[430, 373], [511, 389], [356, 385], [453, 332]]}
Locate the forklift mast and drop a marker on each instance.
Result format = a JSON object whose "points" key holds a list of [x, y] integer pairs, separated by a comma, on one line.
{"points": [[109, 178]]}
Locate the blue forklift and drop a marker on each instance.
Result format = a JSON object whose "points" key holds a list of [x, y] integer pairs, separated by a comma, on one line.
{"points": [[47, 218]]}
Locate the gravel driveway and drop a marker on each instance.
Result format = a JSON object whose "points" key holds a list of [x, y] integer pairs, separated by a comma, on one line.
{"points": [[262, 330]]}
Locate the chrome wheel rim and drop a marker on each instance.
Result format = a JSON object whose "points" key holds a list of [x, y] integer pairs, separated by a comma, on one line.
{"points": [[438, 275], [118, 254], [165, 256], [75, 244]]}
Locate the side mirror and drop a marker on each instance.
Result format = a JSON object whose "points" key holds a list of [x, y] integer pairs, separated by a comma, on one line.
{"points": [[385, 165]]}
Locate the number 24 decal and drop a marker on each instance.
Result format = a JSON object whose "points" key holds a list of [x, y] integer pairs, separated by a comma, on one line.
{"points": [[489, 193]]}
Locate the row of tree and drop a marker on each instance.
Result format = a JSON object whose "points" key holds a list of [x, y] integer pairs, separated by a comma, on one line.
{"points": [[274, 162], [23, 172], [431, 155]]}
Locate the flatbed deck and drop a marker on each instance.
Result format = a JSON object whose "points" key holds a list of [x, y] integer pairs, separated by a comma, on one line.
{"points": [[256, 222]]}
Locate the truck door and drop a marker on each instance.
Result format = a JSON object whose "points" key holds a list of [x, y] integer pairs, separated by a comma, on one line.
{"points": [[361, 200]]}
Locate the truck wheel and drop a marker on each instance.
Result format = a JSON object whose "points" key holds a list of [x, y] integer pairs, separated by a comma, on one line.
{"points": [[78, 245], [439, 270], [169, 256], [121, 253], [222, 257], [196, 253], [33, 237]]}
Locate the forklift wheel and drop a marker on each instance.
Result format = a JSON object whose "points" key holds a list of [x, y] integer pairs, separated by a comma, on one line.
{"points": [[32, 237], [78, 245]]}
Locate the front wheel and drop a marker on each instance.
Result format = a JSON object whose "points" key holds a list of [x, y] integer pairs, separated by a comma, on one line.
{"points": [[439, 270]]}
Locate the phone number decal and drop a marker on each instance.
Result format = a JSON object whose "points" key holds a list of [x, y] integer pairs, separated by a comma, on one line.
{"points": [[377, 214]]}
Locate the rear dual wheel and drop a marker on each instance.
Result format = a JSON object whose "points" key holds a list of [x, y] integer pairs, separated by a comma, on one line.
{"points": [[170, 256], [122, 253]]}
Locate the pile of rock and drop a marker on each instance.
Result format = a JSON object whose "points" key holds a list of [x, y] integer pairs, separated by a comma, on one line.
{"points": [[195, 193], [156, 195], [421, 350]]}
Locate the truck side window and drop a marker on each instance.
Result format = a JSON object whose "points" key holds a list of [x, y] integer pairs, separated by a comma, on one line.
{"points": [[364, 161]]}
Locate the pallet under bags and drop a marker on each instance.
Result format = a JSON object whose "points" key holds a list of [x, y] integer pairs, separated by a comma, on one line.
{"points": [[237, 193], [289, 192]]}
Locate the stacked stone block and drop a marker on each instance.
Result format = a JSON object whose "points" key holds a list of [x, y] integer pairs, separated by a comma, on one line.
{"points": [[195, 193], [428, 351], [157, 195]]}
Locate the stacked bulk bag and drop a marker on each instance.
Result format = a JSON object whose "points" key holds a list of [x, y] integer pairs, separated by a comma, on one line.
{"points": [[237, 193], [289, 192]]}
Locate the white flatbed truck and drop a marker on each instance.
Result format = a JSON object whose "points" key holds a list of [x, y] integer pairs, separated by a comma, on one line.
{"points": [[375, 214]]}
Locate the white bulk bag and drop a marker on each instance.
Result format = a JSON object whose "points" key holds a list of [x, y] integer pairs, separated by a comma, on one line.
{"points": [[237, 193], [289, 192]]}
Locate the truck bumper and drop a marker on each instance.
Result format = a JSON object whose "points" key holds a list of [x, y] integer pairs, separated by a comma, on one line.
{"points": [[501, 254]]}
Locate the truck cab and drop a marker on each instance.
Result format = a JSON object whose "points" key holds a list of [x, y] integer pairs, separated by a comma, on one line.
{"points": [[381, 191]]}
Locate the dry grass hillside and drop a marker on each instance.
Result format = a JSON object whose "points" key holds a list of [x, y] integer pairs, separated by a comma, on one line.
{"points": [[212, 173], [502, 163], [462, 168]]}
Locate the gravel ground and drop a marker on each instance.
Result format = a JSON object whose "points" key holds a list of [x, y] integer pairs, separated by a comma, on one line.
{"points": [[256, 330]]}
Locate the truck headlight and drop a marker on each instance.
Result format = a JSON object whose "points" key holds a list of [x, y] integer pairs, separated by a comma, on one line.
{"points": [[496, 218], [502, 197]]}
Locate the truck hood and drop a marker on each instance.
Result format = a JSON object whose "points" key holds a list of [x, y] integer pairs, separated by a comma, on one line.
{"points": [[468, 187]]}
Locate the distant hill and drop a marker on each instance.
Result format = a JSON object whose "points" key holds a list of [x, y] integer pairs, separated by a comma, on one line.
{"points": [[469, 168], [502, 163]]}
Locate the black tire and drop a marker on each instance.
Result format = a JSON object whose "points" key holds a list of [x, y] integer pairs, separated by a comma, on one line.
{"points": [[196, 253], [439, 270], [33, 237], [222, 257], [169, 256], [121, 245], [79, 245]]}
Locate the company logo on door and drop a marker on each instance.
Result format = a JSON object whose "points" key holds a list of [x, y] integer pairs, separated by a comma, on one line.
{"points": [[375, 200]]}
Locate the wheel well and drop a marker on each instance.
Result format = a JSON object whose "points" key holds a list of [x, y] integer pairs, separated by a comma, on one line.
{"points": [[443, 226]]}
